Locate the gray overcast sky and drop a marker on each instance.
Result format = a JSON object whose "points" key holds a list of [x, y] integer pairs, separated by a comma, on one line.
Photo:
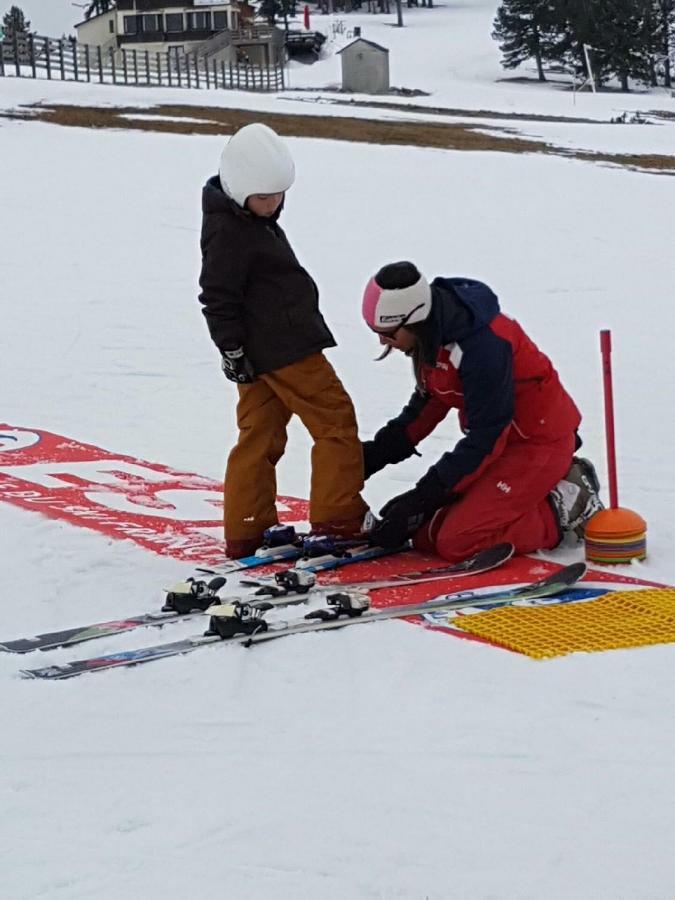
{"points": [[50, 17]]}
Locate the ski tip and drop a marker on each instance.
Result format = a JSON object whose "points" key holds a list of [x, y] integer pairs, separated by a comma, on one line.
{"points": [[29, 674], [502, 552], [577, 570], [495, 554]]}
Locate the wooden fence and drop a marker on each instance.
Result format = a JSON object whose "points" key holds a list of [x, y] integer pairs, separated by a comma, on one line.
{"points": [[31, 56]]}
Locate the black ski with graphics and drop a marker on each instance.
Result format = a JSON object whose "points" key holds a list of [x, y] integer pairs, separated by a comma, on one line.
{"points": [[244, 623], [192, 597]]}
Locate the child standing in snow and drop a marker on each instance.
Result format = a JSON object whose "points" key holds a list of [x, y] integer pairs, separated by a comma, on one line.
{"points": [[512, 476], [261, 307]]}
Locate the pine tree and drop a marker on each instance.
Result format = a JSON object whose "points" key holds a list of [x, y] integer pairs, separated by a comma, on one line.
{"points": [[624, 42], [664, 34], [523, 29], [626, 39], [655, 42], [575, 27], [616, 33], [14, 23]]}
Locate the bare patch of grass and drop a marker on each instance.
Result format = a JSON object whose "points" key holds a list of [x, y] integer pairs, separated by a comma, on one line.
{"points": [[217, 121]]}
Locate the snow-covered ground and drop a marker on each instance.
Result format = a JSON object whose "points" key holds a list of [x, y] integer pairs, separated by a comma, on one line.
{"points": [[386, 763], [446, 52]]}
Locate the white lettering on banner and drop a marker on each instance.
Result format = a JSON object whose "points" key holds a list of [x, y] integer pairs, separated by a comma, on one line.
{"points": [[11, 439], [215, 532], [133, 530], [97, 471], [22, 495], [171, 513], [182, 504]]}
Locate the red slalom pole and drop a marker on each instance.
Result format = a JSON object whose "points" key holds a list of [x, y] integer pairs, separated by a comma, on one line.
{"points": [[613, 536], [606, 350]]}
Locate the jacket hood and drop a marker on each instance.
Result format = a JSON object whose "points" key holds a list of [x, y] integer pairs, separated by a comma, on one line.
{"points": [[215, 200], [255, 160], [459, 307]]}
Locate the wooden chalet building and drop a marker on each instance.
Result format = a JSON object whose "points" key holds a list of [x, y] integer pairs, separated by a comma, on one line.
{"points": [[202, 27]]}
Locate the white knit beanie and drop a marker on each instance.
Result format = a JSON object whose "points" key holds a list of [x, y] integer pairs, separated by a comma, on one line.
{"points": [[255, 160]]}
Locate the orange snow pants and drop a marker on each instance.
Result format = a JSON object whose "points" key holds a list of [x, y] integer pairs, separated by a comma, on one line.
{"points": [[311, 390]]}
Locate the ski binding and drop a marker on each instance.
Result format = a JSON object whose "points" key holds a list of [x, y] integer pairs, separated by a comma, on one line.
{"points": [[343, 603]]}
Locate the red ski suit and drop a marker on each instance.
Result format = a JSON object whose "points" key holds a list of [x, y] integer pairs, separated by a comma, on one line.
{"points": [[519, 425]]}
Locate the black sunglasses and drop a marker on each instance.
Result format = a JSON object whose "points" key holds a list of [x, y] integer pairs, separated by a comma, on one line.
{"points": [[393, 332], [404, 321]]}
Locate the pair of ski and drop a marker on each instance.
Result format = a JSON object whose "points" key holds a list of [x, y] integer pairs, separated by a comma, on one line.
{"points": [[481, 562], [194, 591], [553, 584]]}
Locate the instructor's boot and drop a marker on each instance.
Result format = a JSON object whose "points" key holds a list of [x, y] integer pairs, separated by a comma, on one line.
{"points": [[575, 499]]}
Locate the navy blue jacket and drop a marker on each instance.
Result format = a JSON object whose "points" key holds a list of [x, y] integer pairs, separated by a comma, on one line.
{"points": [[480, 362]]}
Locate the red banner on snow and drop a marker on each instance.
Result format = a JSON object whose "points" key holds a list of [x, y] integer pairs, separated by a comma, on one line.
{"points": [[176, 514]]}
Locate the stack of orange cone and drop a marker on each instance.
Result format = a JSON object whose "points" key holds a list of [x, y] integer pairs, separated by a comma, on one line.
{"points": [[616, 536]]}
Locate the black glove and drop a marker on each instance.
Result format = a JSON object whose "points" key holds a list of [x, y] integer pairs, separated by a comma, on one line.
{"points": [[370, 459], [236, 367], [390, 445], [403, 515]]}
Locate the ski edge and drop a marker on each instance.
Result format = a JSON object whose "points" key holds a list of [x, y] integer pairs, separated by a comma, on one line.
{"points": [[546, 587], [483, 561], [549, 586], [131, 623]]}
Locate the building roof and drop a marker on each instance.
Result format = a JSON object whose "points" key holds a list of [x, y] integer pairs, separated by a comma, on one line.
{"points": [[364, 41]]}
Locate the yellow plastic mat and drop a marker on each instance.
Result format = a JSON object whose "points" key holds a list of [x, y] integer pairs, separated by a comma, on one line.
{"points": [[613, 621]]}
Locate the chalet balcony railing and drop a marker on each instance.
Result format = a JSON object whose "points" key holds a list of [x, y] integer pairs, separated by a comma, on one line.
{"points": [[164, 37], [253, 33]]}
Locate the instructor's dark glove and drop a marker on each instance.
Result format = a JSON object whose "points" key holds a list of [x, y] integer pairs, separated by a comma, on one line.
{"points": [[371, 462], [403, 515], [236, 367], [390, 445]]}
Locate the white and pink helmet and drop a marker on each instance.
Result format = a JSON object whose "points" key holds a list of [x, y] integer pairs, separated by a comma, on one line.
{"points": [[397, 295]]}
